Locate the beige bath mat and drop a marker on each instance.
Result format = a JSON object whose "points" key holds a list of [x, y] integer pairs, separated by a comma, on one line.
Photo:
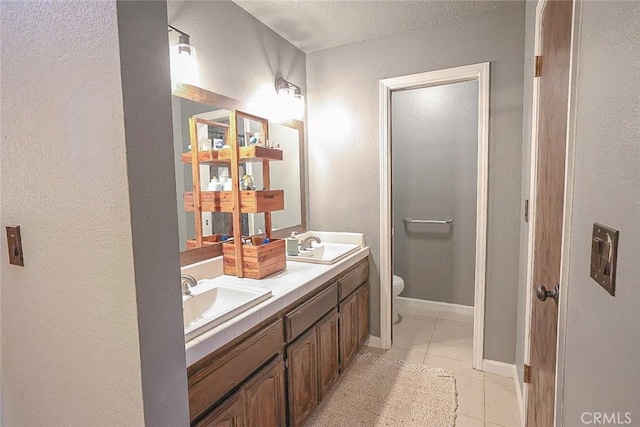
{"points": [[380, 392]]}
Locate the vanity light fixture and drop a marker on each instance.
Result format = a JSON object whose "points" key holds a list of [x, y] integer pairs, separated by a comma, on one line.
{"points": [[184, 67], [292, 100]]}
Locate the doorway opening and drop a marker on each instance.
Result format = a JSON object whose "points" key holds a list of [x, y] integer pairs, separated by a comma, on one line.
{"points": [[433, 214]]}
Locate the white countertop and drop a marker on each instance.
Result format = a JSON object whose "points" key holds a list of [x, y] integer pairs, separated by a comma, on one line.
{"points": [[286, 287]]}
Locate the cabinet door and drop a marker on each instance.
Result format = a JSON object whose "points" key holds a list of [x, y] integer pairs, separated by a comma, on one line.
{"points": [[219, 373], [264, 398], [302, 358], [363, 313], [348, 330], [328, 354], [230, 414]]}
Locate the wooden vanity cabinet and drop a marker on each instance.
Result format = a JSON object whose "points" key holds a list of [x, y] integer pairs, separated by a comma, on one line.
{"points": [[260, 402], [302, 357], [264, 397], [362, 295], [353, 291], [230, 414], [328, 353], [349, 337], [308, 313], [310, 352], [243, 383], [313, 368], [351, 280], [213, 378]]}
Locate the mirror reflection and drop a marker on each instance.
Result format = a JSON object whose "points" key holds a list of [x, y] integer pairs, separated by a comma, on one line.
{"points": [[285, 175]]}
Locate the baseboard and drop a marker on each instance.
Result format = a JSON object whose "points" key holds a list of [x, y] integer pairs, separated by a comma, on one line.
{"points": [[374, 342], [499, 368], [518, 388], [507, 370], [436, 305]]}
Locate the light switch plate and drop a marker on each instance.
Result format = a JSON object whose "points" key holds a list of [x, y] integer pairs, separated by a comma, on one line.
{"points": [[604, 256], [14, 244]]}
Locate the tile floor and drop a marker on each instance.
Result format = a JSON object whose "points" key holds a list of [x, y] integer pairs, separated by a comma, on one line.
{"points": [[444, 340]]}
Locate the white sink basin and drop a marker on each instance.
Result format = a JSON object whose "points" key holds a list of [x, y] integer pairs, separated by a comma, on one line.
{"points": [[207, 309], [325, 253]]}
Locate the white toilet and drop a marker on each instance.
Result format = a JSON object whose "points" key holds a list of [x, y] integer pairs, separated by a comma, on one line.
{"points": [[398, 287]]}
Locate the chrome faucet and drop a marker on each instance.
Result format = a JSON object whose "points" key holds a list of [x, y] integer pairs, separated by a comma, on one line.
{"points": [[187, 282], [305, 245]]}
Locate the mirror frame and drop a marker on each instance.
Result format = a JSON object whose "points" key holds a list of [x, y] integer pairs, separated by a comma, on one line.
{"points": [[203, 96]]}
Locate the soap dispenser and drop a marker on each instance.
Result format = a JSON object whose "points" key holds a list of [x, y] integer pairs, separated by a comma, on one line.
{"points": [[292, 245]]}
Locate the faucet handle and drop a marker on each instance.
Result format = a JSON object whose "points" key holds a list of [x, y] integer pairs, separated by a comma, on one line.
{"points": [[187, 281]]}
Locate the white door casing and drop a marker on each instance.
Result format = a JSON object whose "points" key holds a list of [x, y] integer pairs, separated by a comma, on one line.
{"points": [[479, 72]]}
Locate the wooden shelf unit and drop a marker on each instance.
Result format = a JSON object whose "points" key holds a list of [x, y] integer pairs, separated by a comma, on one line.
{"points": [[252, 153], [206, 241], [259, 260], [237, 201], [251, 201]]}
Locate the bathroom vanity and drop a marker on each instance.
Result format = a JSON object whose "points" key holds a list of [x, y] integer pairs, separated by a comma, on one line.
{"points": [[290, 354], [259, 352]]}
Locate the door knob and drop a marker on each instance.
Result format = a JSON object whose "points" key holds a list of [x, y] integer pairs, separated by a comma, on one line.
{"points": [[543, 293]]}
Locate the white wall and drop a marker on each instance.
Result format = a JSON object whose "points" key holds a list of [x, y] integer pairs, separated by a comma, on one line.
{"points": [[80, 342], [603, 332], [343, 141]]}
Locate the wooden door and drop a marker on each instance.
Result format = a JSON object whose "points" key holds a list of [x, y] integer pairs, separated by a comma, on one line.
{"points": [[230, 414], [363, 314], [348, 330], [302, 358], [263, 397], [553, 98], [328, 353]]}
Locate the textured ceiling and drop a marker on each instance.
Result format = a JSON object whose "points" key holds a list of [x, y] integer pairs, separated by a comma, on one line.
{"points": [[322, 24]]}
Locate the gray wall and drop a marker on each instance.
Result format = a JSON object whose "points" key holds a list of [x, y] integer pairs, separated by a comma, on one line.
{"points": [[529, 53], [146, 95], [91, 329], [434, 134], [237, 54], [603, 332], [344, 174]]}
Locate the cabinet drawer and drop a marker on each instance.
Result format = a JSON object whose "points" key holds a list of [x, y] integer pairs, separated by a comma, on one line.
{"points": [[213, 381], [300, 319], [351, 280]]}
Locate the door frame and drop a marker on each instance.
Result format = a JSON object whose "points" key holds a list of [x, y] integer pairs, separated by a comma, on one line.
{"points": [[567, 209], [481, 73]]}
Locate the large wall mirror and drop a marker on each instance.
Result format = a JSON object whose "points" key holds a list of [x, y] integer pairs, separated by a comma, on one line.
{"points": [[288, 175]]}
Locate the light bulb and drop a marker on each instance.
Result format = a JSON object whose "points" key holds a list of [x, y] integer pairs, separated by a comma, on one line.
{"points": [[291, 104], [184, 65], [299, 103]]}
